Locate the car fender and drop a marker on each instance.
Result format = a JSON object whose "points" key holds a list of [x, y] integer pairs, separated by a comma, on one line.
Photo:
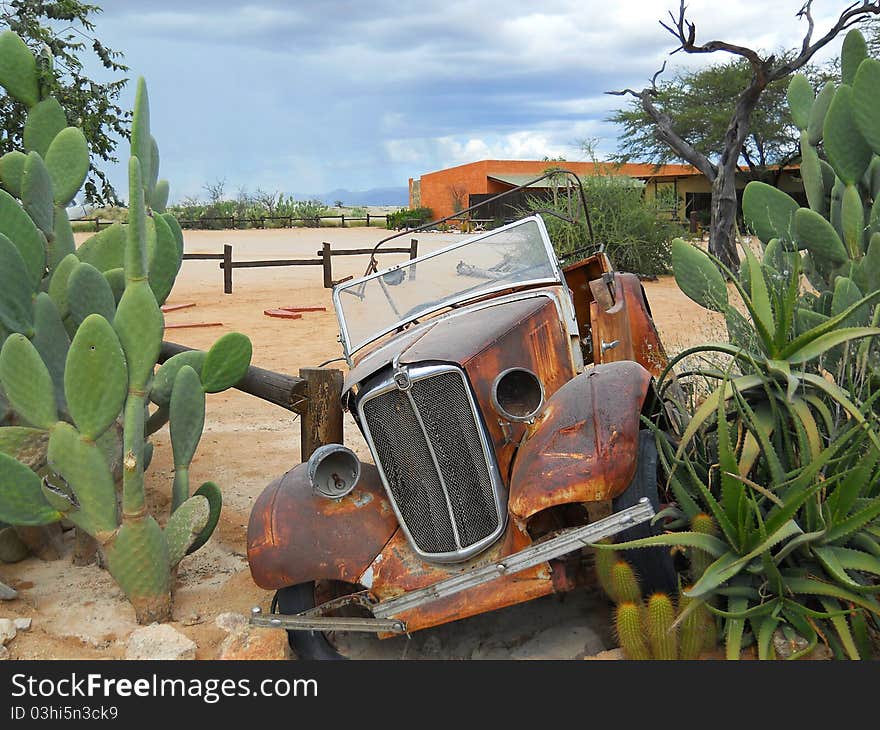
{"points": [[584, 446], [295, 535]]}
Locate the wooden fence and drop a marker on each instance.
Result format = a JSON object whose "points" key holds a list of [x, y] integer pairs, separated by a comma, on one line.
{"points": [[287, 221], [325, 260]]}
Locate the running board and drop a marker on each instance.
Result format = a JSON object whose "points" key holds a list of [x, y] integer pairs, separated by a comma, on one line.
{"points": [[555, 547]]}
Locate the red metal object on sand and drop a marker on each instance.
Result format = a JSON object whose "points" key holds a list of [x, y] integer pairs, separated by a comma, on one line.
{"points": [[281, 314], [304, 309], [174, 307], [183, 325]]}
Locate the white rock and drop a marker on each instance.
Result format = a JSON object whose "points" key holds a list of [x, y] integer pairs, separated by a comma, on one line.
{"points": [[159, 641], [7, 593], [22, 624], [4, 653], [232, 623], [7, 631]]}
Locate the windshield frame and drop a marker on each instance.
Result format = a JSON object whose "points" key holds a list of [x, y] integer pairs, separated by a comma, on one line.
{"points": [[350, 348]]}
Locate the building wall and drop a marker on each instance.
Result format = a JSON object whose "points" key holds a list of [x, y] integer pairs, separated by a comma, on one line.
{"points": [[446, 192]]}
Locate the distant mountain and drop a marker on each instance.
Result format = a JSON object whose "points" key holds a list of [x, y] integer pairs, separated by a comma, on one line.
{"points": [[374, 196]]}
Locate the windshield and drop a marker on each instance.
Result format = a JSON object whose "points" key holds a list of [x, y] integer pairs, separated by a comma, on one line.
{"points": [[514, 255]]}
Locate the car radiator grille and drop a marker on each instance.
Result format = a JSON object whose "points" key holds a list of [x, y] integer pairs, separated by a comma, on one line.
{"points": [[428, 446]]}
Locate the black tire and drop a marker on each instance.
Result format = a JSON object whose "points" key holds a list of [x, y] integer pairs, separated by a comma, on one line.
{"points": [[653, 566], [312, 645]]}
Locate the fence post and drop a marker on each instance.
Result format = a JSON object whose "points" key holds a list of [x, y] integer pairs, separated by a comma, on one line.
{"points": [[322, 420], [413, 253], [327, 255], [343, 220], [97, 225], [693, 219], [368, 219], [227, 268]]}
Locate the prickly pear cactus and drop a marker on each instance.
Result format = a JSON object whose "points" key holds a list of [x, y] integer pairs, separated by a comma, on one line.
{"points": [[835, 241], [81, 330]]}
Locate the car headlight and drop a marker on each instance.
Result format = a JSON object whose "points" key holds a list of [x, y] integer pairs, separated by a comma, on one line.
{"points": [[518, 395], [333, 470]]}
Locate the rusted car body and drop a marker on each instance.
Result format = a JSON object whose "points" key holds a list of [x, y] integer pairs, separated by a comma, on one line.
{"points": [[500, 413]]}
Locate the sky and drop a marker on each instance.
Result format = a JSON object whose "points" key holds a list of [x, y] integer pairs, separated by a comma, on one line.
{"points": [[307, 96]]}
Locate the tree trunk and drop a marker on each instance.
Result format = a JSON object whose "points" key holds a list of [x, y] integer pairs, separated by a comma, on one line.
{"points": [[722, 231]]}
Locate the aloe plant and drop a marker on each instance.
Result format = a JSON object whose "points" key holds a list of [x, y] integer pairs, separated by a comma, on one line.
{"points": [[81, 332]]}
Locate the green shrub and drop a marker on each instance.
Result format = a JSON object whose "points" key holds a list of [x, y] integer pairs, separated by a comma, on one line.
{"points": [[409, 218], [635, 234]]}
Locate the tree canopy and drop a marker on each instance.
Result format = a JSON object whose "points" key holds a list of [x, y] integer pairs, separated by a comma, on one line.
{"points": [[700, 103], [60, 34]]}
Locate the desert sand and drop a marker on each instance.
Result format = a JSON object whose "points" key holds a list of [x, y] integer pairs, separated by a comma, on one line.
{"points": [[78, 612]]}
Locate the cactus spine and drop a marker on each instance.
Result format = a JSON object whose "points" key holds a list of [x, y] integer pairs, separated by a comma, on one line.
{"points": [[81, 332]]}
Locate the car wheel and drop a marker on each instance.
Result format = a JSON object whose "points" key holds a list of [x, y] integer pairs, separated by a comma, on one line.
{"points": [[653, 566], [305, 644]]}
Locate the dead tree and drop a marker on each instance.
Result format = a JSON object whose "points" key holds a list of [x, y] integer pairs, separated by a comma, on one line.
{"points": [[766, 70]]}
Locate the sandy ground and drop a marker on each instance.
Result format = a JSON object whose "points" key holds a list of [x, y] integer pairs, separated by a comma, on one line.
{"points": [[78, 612]]}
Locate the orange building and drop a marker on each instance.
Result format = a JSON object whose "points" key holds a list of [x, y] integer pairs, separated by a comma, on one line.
{"points": [[683, 187]]}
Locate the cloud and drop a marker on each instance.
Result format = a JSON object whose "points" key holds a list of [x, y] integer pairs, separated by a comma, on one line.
{"points": [[315, 94]]}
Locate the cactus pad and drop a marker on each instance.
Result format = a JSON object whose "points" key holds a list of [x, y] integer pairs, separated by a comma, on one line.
{"points": [[184, 526], [141, 141], [817, 235], [51, 340], [698, 277], [159, 198], [26, 382], [139, 325], [818, 112], [18, 69], [163, 382], [95, 402], [21, 231], [63, 243], [36, 193], [11, 170], [137, 558], [852, 53], [67, 161], [16, 292], [211, 492], [44, 121], [106, 249], [164, 260], [82, 465], [847, 150], [768, 211], [21, 498], [800, 100], [88, 292], [227, 362]]}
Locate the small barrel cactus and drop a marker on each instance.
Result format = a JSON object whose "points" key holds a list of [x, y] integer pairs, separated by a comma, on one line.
{"points": [[81, 332]]}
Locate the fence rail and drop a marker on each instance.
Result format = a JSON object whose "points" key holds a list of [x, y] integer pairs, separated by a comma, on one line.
{"points": [[325, 260], [234, 222]]}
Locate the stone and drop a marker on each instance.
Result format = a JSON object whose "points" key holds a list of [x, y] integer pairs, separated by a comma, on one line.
{"points": [[7, 631], [22, 624], [7, 593], [786, 646], [4, 653], [251, 643], [608, 655], [231, 623], [159, 641]]}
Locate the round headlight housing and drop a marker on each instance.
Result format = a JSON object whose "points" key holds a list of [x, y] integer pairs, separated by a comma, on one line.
{"points": [[333, 470], [518, 395]]}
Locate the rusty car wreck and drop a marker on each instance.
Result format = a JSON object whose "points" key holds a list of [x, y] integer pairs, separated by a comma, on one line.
{"points": [[502, 398]]}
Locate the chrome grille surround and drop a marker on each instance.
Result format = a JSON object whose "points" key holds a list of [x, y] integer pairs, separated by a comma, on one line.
{"points": [[435, 460]]}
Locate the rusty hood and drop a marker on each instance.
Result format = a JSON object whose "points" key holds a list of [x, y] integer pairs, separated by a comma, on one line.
{"points": [[456, 337]]}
